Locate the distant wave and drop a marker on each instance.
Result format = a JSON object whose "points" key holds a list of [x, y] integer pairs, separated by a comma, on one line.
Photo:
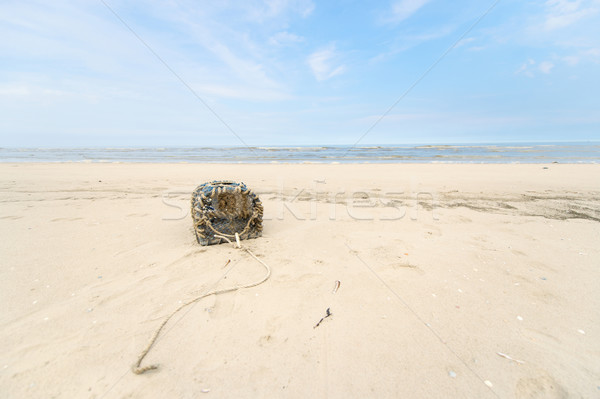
{"points": [[289, 148], [463, 153]]}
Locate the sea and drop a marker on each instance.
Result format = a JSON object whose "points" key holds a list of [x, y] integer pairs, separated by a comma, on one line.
{"points": [[578, 152]]}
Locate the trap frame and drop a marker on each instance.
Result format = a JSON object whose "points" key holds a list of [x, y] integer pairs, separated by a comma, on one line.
{"points": [[222, 208]]}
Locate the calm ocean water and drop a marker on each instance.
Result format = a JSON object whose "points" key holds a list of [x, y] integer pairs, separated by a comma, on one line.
{"points": [[463, 153]]}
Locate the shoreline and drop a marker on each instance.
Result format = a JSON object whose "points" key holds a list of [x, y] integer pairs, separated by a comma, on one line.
{"points": [[102, 162], [581, 152]]}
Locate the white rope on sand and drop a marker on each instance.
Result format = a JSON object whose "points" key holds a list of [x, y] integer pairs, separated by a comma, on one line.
{"points": [[137, 367]]}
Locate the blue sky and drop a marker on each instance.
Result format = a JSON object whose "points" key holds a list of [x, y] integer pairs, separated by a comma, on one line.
{"points": [[297, 72]]}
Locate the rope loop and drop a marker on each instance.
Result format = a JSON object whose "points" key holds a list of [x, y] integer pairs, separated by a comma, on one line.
{"points": [[137, 368]]}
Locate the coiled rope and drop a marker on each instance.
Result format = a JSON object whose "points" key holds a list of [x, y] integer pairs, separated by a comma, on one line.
{"points": [[137, 367]]}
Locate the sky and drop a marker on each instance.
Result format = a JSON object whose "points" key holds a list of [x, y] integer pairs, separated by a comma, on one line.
{"points": [[297, 72]]}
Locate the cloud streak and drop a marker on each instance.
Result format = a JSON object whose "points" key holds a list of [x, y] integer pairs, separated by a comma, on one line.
{"points": [[285, 39], [563, 13], [546, 67], [404, 9], [324, 64]]}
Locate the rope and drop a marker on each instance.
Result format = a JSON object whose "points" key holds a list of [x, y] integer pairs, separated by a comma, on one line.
{"points": [[220, 234], [137, 367]]}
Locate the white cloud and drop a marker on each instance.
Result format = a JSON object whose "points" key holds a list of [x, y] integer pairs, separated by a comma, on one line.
{"points": [[464, 41], [594, 52], [563, 13], [571, 60], [323, 65], [440, 117], [546, 67], [271, 9], [529, 67], [105, 62], [306, 8], [467, 41], [404, 9], [477, 48], [285, 38], [525, 69], [14, 91], [232, 58], [581, 55], [405, 42]]}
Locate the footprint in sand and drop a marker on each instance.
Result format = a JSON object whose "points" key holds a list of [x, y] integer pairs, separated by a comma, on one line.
{"points": [[541, 387], [223, 306]]}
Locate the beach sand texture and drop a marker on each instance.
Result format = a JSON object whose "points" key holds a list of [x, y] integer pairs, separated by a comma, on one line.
{"points": [[441, 267]]}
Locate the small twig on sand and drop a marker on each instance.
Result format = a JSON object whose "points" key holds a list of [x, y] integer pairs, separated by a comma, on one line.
{"points": [[336, 286], [504, 355], [323, 318]]}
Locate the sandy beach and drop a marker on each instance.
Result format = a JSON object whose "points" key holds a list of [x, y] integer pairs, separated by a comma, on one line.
{"points": [[474, 281]]}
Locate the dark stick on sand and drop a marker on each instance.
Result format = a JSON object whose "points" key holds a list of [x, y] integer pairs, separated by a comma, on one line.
{"points": [[323, 318]]}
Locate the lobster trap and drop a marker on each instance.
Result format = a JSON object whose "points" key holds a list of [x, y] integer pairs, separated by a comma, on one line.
{"points": [[224, 208]]}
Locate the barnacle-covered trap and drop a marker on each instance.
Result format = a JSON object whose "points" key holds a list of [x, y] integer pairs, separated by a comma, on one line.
{"points": [[224, 208]]}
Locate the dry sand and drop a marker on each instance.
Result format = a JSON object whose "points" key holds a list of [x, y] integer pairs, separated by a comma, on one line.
{"points": [[442, 267]]}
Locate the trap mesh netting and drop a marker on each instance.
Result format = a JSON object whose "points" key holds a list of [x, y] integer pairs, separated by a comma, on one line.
{"points": [[223, 208]]}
